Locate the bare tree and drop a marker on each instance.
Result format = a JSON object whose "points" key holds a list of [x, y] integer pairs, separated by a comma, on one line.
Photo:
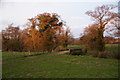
{"points": [[102, 15], [114, 27]]}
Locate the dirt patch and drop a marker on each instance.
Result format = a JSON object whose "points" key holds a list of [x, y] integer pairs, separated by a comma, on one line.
{"points": [[62, 52]]}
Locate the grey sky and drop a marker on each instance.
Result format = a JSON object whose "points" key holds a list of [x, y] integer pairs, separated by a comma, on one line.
{"points": [[18, 11]]}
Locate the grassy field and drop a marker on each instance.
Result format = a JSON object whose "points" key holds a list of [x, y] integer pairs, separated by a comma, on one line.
{"points": [[45, 65], [110, 48]]}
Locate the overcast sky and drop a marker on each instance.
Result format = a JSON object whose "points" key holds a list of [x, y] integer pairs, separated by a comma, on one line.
{"points": [[73, 12]]}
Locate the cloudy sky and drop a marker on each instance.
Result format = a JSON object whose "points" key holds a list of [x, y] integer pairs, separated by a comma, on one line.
{"points": [[73, 12]]}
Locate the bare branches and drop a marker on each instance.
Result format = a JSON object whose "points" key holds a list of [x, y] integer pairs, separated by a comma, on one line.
{"points": [[102, 13]]}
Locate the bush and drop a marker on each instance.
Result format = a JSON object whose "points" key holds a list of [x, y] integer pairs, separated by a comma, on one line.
{"points": [[106, 55], [114, 55], [102, 55], [95, 55]]}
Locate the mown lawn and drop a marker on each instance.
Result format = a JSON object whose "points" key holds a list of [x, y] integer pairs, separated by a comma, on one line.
{"points": [[17, 65]]}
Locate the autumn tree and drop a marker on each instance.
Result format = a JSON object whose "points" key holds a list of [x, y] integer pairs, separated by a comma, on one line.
{"points": [[90, 37], [43, 32], [10, 39], [65, 37], [26, 39], [102, 15]]}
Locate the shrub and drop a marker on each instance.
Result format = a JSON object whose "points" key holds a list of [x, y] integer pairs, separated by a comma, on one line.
{"points": [[114, 55], [102, 55], [106, 55], [95, 55]]}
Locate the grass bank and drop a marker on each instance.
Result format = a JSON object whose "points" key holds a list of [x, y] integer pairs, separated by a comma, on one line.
{"points": [[18, 65]]}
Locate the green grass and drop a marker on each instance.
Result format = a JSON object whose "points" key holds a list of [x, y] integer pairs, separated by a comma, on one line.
{"points": [[16, 65], [89, 51], [76, 46], [110, 48], [11, 55]]}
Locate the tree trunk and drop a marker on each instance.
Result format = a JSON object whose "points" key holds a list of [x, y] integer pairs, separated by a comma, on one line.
{"points": [[101, 46]]}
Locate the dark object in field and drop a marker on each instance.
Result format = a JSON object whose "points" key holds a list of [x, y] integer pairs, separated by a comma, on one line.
{"points": [[77, 51]]}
